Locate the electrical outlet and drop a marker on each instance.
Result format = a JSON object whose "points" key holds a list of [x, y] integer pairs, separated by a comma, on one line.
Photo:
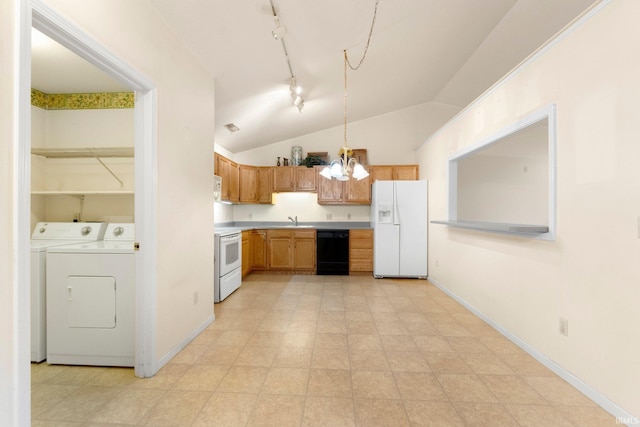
{"points": [[437, 263], [250, 216], [329, 216], [348, 216], [195, 298], [563, 326]]}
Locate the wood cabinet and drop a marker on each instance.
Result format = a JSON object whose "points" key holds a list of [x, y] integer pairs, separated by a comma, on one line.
{"points": [[405, 172], [358, 191], [230, 174], [264, 185], [258, 241], [291, 250], [294, 178], [305, 178], [246, 253], [353, 191], [393, 172], [304, 250], [360, 251], [248, 183], [279, 249]]}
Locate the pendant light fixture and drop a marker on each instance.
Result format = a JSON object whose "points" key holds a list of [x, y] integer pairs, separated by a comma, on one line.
{"points": [[346, 165]]}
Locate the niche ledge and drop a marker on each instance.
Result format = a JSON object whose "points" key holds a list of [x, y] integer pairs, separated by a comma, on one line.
{"points": [[497, 227]]}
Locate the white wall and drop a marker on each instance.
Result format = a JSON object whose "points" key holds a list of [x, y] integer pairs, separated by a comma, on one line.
{"points": [[389, 139], [81, 129], [185, 110], [590, 274]]}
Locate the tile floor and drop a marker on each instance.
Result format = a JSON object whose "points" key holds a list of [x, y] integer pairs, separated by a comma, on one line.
{"points": [[325, 351]]}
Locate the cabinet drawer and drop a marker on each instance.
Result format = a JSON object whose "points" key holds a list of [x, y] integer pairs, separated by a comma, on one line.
{"points": [[361, 244], [279, 233], [361, 254], [361, 266], [305, 234]]}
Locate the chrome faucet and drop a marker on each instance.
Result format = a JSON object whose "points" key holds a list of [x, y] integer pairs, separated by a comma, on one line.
{"points": [[295, 221]]}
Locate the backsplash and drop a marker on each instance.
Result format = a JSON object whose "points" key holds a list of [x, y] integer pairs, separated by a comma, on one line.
{"points": [[302, 205]]}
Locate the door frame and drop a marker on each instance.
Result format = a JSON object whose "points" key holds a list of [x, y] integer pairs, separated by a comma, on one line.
{"points": [[52, 24]]}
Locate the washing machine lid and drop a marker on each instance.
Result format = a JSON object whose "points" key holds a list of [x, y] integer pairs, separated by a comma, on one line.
{"points": [[75, 231], [42, 245], [101, 247]]}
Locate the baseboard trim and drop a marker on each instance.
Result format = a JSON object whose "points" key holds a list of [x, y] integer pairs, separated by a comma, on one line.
{"points": [[182, 344], [621, 415]]}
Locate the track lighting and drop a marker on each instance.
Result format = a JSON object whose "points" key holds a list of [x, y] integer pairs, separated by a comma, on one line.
{"points": [[279, 31], [278, 34], [296, 94]]}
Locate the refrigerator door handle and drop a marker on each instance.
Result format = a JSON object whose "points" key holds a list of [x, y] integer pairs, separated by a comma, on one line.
{"points": [[396, 220]]}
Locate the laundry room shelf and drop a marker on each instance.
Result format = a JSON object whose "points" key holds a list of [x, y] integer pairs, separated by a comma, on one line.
{"points": [[83, 193], [97, 153], [66, 153]]}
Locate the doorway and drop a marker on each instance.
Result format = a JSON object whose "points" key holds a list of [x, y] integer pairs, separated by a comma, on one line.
{"points": [[57, 28]]}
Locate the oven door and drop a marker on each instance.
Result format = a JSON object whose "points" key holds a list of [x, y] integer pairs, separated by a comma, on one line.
{"points": [[230, 251]]}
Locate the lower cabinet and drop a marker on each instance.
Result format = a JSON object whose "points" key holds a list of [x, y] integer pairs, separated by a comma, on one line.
{"points": [[246, 253], [293, 250], [360, 251], [304, 250], [258, 241]]}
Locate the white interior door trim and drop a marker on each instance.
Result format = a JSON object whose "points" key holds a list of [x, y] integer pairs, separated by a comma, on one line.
{"points": [[55, 26]]}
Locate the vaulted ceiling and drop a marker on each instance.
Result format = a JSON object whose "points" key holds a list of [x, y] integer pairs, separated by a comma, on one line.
{"points": [[443, 51]]}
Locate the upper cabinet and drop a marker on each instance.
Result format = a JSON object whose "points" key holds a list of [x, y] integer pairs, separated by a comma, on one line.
{"points": [[256, 184], [265, 186], [294, 178], [334, 192], [248, 182], [230, 173], [393, 173]]}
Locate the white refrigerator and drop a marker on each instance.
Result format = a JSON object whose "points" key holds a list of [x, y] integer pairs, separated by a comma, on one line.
{"points": [[399, 222]]}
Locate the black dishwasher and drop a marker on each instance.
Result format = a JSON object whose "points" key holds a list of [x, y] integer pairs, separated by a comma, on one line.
{"points": [[332, 252]]}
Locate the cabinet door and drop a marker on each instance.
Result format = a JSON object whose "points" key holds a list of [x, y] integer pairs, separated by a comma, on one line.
{"points": [[246, 253], [330, 191], [381, 173], [264, 185], [280, 252], [405, 172], [306, 178], [304, 252], [234, 182], [248, 184], [222, 170], [283, 179], [259, 249], [358, 192]]}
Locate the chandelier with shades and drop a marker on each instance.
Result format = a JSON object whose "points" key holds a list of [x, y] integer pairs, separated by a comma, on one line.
{"points": [[346, 166]]}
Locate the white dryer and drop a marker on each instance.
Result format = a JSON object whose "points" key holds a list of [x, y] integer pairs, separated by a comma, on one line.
{"points": [[47, 235], [91, 300]]}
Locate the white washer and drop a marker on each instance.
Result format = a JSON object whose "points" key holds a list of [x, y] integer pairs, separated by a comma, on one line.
{"points": [[46, 235], [90, 300]]}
